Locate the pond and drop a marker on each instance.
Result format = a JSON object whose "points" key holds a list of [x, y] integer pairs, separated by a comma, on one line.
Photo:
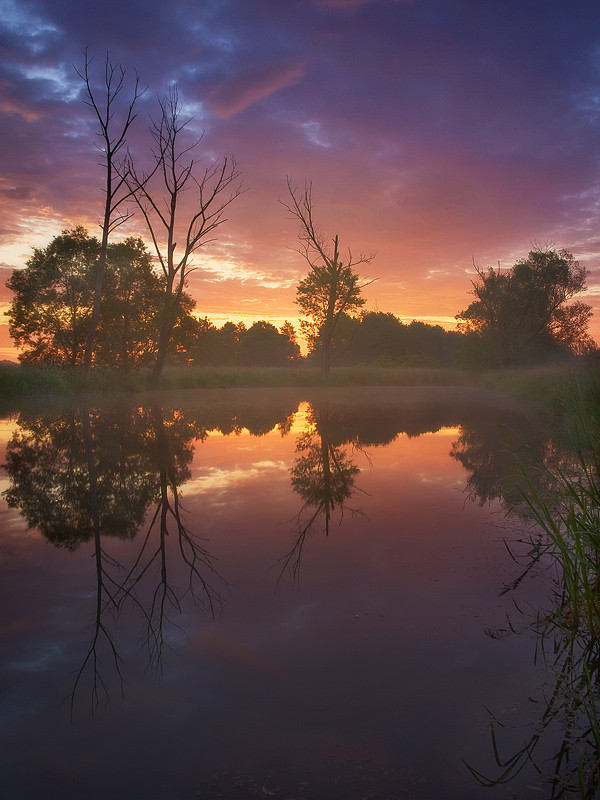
{"points": [[285, 594]]}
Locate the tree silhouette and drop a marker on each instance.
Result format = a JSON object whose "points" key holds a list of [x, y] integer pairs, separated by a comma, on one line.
{"points": [[92, 475], [332, 288], [113, 136], [159, 196], [524, 314]]}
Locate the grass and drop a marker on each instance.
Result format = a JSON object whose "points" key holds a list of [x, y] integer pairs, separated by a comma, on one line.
{"points": [[271, 377], [20, 381], [560, 491], [562, 495], [541, 385]]}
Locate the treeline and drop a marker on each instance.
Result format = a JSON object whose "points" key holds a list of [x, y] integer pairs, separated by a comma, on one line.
{"points": [[519, 317], [373, 338], [53, 300]]}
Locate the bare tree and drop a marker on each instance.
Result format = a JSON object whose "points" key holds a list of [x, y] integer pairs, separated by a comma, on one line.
{"points": [[112, 134], [159, 194], [332, 288]]}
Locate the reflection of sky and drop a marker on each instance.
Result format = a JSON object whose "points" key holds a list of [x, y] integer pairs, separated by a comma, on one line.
{"points": [[377, 652], [215, 479]]}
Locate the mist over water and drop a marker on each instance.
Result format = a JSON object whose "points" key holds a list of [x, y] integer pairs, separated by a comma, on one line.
{"points": [[275, 593]]}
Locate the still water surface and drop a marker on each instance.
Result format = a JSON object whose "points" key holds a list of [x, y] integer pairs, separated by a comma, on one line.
{"points": [[266, 594]]}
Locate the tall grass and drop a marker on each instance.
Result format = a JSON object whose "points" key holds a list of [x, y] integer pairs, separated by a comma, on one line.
{"points": [[562, 495]]}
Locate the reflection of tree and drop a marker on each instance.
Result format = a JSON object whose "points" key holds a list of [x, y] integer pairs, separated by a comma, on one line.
{"points": [[559, 489], [92, 474], [173, 454], [485, 448], [108, 590], [323, 475], [47, 461]]}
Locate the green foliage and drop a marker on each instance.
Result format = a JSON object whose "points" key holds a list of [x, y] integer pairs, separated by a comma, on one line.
{"points": [[233, 344], [53, 299], [332, 289], [127, 329], [53, 296], [564, 499], [380, 339], [523, 315], [327, 295], [263, 345], [46, 461]]}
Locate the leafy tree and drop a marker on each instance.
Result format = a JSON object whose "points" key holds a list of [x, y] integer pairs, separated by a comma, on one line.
{"points": [[185, 331], [293, 348], [382, 339], [430, 345], [53, 298], [204, 347], [332, 288], [263, 345], [523, 314], [229, 337], [378, 338], [128, 325], [220, 346]]}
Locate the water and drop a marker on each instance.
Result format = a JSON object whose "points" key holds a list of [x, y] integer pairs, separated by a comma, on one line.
{"points": [[276, 594]]}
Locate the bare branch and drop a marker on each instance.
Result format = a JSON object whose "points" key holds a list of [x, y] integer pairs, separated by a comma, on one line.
{"points": [[116, 190], [159, 194]]}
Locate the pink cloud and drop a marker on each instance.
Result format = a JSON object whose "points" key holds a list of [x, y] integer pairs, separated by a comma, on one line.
{"points": [[238, 94]]}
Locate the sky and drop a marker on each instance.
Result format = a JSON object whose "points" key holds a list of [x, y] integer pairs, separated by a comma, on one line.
{"points": [[439, 135]]}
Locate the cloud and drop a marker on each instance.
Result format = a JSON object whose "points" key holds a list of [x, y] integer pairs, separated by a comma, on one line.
{"points": [[239, 93], [434, 133]]}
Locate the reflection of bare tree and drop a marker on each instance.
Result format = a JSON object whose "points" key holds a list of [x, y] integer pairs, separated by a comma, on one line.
{"points": [[108, 590], [323, 475], [154, 553], [91, 475]]}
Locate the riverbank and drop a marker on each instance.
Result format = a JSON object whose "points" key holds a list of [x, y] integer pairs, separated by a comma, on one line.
{"points": [[545, 386]]}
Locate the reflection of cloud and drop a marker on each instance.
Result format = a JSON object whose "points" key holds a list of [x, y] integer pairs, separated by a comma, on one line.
{"points": [[218, 479], [240, 93], [38, 663], [447, 432], [438, 480]]}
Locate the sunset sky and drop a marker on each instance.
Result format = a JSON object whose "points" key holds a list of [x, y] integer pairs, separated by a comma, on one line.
{"points": [[437, 133]]}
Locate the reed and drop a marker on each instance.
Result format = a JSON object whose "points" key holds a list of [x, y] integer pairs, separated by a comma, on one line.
{"points": [[562, 495]]}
